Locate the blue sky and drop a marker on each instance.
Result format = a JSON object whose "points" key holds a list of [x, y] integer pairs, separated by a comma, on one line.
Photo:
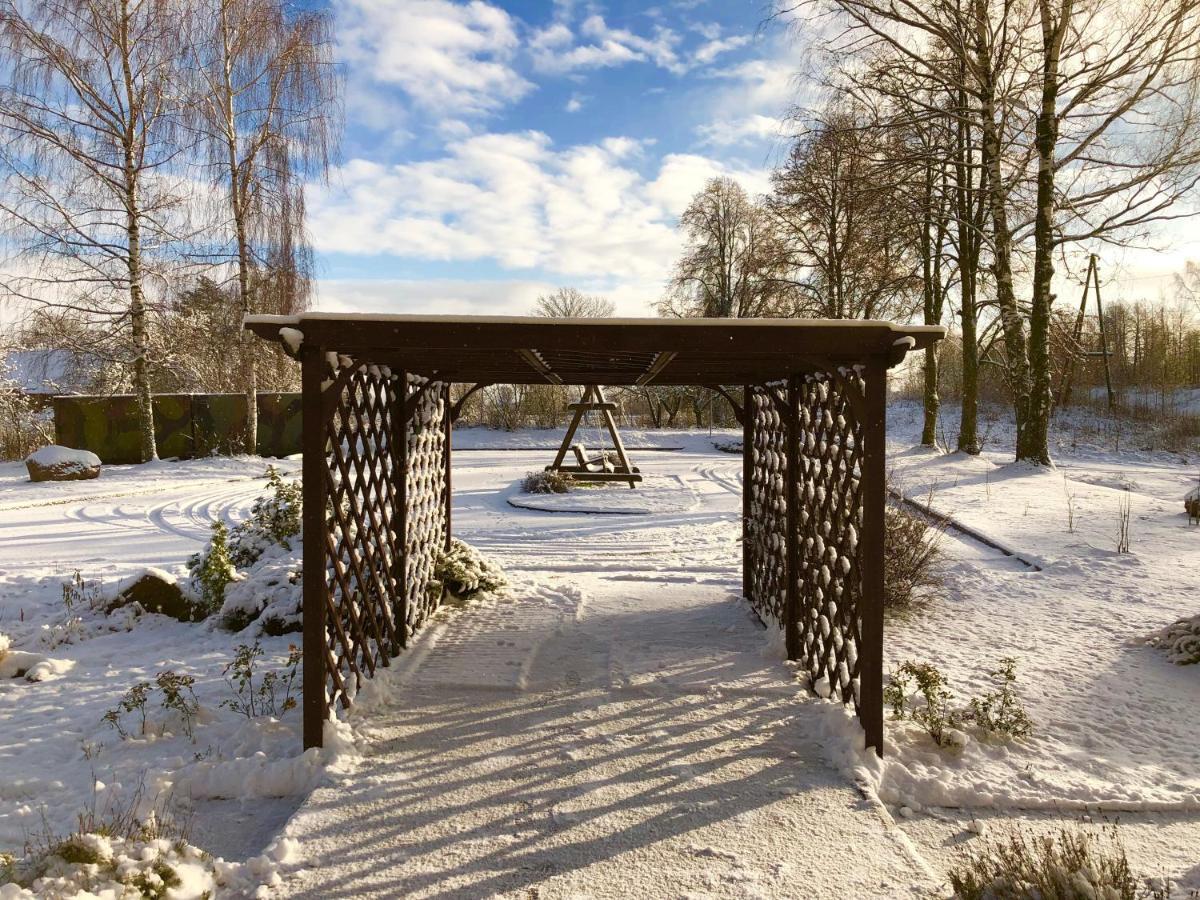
{"points": [[495, 150]]}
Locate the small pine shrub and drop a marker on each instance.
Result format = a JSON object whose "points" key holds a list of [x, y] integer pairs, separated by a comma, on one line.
{"points": [[464, 571], [1000, 711], [544, 482], [212, 568], [936, 715], [1065, 865], [911, 559]]}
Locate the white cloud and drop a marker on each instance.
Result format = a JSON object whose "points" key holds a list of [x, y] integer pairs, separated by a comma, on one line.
{"points": [[437, 296], [575, 104], [558, 50], [714, 47], [450, 58], [580, 212], [746, 129]]}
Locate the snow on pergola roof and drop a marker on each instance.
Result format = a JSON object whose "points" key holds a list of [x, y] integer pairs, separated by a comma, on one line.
{"points": [[531, 350]]}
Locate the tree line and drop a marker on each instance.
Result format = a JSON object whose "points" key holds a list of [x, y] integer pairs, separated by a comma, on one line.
{"points": [[964, 159], [154, 155]]}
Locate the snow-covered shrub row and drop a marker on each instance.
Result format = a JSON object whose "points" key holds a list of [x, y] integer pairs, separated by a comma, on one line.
{"points": [[30, 666], [1062, 866], [98, 864], [464, 571], [548, 482], [1180, 640]]}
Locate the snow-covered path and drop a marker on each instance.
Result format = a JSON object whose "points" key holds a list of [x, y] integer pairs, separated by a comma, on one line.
{"points": [[617, 721], [576, 742]]}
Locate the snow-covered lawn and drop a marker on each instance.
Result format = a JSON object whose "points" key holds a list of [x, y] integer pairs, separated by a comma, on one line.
{"points": [[615, 718]]}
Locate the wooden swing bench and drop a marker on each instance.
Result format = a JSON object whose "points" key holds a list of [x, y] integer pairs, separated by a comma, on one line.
{"points": [[601, 466]]}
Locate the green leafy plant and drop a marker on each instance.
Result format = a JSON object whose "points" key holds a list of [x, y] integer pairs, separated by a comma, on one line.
{"points": [[1064, 865], [274, 519], [212, 569], [255, 694], [935, 715], [133, 702], [464, 571], [178, 696], [1001, 711]]}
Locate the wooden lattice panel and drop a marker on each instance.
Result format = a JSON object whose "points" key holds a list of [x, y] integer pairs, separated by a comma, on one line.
{"points": [[766, 525], [385, 515], [425, 499], [829, 488], [815, 598]]}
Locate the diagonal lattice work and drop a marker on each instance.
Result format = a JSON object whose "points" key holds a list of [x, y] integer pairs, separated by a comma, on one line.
{"points": [[383, 486], [806, 442]]}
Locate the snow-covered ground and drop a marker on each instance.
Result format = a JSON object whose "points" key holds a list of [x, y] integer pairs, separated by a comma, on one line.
{"points": [[615, 721]]}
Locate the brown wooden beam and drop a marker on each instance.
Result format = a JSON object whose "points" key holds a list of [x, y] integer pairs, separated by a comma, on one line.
{"points": [[871, 549], [314, 590]]}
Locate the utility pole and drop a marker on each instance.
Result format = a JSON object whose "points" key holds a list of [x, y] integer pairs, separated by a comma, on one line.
{"points": [[1064, 392]]}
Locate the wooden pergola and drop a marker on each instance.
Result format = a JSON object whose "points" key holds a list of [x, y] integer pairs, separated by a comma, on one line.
{"points": [[377, 487]]}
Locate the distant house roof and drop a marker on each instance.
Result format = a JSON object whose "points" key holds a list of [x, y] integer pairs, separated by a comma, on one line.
{"points": [[44, 372]]}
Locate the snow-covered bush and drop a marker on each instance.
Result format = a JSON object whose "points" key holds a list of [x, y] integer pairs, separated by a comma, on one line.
{"points": [[464, 571], [547, 482], [911, 558], [23, 427], [1065, 865], [1180, 640], [253, 571], [273, 520], [268, 592]]}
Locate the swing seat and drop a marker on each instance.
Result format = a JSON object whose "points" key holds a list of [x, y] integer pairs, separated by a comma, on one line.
{"points": [[589, 463]]}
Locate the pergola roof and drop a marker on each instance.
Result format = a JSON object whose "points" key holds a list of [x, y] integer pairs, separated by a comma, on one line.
{"points": [[531, 350]]}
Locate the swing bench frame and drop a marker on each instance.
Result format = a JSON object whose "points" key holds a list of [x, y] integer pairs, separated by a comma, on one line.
{"points": [[598, 467]]}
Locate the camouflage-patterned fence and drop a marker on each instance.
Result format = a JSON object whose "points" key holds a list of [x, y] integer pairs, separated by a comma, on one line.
{"points": [[377, 487], [185, 425]]}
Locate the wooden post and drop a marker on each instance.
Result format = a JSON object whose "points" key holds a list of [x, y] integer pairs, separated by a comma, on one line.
{"points": [[400, 554], [874, 494], [747, 476], [315, 588], [449, 492], [791, 608]]}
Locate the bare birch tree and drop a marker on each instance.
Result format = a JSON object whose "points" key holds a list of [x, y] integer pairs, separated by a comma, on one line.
{"points": [[270, 112], [91, 107]]}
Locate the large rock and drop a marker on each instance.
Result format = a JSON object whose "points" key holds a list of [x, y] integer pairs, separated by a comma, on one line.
{"points": [[157, 592], [55, 463]]}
